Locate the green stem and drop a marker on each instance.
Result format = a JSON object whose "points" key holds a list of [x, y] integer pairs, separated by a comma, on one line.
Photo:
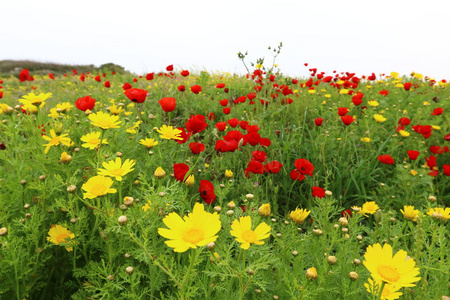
{"points": [[380, 292], [100, 147], [241, 277], [193, 258]]}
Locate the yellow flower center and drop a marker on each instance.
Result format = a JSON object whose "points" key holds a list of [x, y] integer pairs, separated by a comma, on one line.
{"points": [[98, 190], [249, 236], [94, 141], [388, 273], [61, 238], [117, 172], [193, 235]]}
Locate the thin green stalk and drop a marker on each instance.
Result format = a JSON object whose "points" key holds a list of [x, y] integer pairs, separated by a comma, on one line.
{"points": [[193, 258]]}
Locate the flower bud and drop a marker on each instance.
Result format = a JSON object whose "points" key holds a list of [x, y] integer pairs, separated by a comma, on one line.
{"points": [[230, 212], [129, 270], [311, 273], [343, 221], [159, 173], [356, 262], [71, 188], [122, 220], [211, 246], [251, 272], [295, 252], [249, 196], [128, 201], [332, 259], [217, 209], [317, 232], [3, 231], [231, 205], [110, 277], [353, 275]]}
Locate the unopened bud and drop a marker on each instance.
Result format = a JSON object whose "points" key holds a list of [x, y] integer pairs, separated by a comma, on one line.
{"points": [[353, 275], [129, 270], [122, 220]]}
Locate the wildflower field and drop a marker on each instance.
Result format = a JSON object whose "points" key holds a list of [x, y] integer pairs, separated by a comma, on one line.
{"points": [[183, 185]]}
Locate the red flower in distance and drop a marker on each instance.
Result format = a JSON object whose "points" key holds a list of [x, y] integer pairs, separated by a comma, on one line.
{"points": [[51, 75], [254, 167], [85, 103], [206, 191], [126, 86], [168, 104], [273, 167], [347, 120], [221, 126], [136, 95], [150, 76], [196, 148], [446, 169], [220, 85], [1, 95], [2, 146], [233, 122], [97, 78], [181, 88], [223, 102], [318, 121], [180, 171], [437, 149], [260, 156], [404, 121], [107, 84], [437, 111], [431, 161], [196, 124], [253, 138], [357, 98], [24, 75], [169, 68], [384, 92], [407, 86], [184, 135], [196, 89], [424, 130], [318, 192], [412, 154], [386, 159], [184, 73], [304, 166], [226, 110]]}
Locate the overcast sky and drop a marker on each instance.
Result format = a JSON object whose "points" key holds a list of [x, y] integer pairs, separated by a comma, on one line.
{"points": [[145, 36]]}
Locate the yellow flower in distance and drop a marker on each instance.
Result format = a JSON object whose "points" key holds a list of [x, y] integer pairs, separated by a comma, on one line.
{"points": [[299, 215], [439, 213], [61, 235], [373, 103], [148, 143], [98, 186], [410, 213], [365, 140], [116, 169], [369, 208], [104, 120], [169, 133], [196, 229], [55, 140], [264, 210], [389, 292], [228, 173], [113, 109], [379, 118], [404, 133], [394, 74], [92, 140], [159, 173], [242, 230], [398, 270]]}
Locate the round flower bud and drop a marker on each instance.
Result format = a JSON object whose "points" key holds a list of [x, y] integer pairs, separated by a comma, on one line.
{"points": [[119, 154], [345, 229], [26, 206], [73, 220], [275, 297], [127, 255], [27, 215], [332, 259], [353, 275], [217, 209], [23, 182], [311, 273], [128, 201], [432, 198], [317, 232], [295, 252], [230, 212], [231, 205], [123, 207], [249, 196], [278, 234], [356, 262], [258, 291], [122, 220], [110, 277], [162, 194], [129, 270], [71, 188], [343, 221], [211, 246], [3, 231], [251, 272], [328, 193], [136, 182], [42, 177], [159, 173], [359, 237]]}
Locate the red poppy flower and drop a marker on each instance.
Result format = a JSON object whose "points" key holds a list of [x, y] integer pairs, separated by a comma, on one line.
{"points": [[412, 154], [431, 161], [233, 122], [126, 86], [180, 171], [407, 86], [296, 175], [196, 148], [253, 138], [107, 84], [318, 192], [196, 124], [357, 98], [437, 111], [97, 78], [184, 135], [211, 116], [233, 135], [221, 126], [446, 169], [252, 128], [347, 120], [181, 88], [386, 159], [226, 146], [434, 173], [372, 77], [318, 121], [243, 124], [85, 103], [206, 191], [224, 102], [265, 142], [273, 167], [220, 85], [82, 77], [424, 130], [136, 95], [226, 110], [304, 166], [447, 137], [404, 121], [383, 92], [196, 89], [150, 76], [51, 75], [24, 75], [168, 104], [169, 68], [184, 73], [254, 167], [1, 95], [437, 149], [347, 213], [260, 156]]}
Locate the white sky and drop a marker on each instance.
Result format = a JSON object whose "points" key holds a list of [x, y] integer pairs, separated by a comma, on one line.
{"points": [[145, 36]]}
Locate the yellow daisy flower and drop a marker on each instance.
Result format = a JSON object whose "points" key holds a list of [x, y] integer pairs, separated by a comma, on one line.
{"points": [[264, 210], [35, 100], [169, 133], [439, 213], [299, 215], [196, 229], [369, 208], [373, 103], [116, 169], [92, 140], [104, 120], [115, 110], [55, 140], [98, 186], [379, 118], [242, 230], [228, 173], [398, 270], [61, 235], [410, 213], [148, 143]]}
